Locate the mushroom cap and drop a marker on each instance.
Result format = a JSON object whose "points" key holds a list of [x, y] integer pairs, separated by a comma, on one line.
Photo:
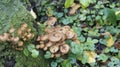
{"points": [[24, 25], [64, 49], [38, 39], [44, 37], [37, 46], [67, 28], [20, 43], [55, 37], [11, 30], [61, 30], [49, 44], [70, 34], [49, 30], [16, 39], [51, 21], [41, 46], [54, 49]]}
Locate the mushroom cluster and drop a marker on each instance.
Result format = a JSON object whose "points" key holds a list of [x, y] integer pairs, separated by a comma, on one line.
{"points": [[24, 34], [54, 40]]}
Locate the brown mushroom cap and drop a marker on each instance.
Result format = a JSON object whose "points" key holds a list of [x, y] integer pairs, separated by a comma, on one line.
{"points": [[24, 25], [49, 44], [49, 30], [67, 28], [64, 49], [51, 21], [16, 39], [54, 49], [37, 46], [41, 46], [20, 43], [70, 34], [44, 37], [11, 30], [55, 37]]}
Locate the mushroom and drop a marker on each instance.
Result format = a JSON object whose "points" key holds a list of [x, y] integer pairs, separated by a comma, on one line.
{"points": [[44, 37], [16, 39], [38, 39], [11, 30], [64, 49], [49, 30], [20, 43], [55, 37], [49, 44], [42, 46], [37, 46], [54, 49], [51, 21], [70, 34], [61, 30], [24, 25], [67, 28], [45, 48]]}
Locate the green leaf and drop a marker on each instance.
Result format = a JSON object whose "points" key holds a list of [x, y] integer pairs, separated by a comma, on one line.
{"points": [[68, 3], [66, 63], [54, 64], [110, 16], [25, 51], [85, 3], [47, 55], [35, 53], [31, 47], [103, 57]]}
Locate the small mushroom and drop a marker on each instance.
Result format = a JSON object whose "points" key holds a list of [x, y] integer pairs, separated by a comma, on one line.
{"points": [[16, 39], [51, 21], [38, 39], [70, 34], [49, 44], [61, 30], [54, 49], [24, 25], [11, 30], [37, 46], [20, 43], [55, 37], [64, 49], [42, 46], [45, 48], [28, 30], [44, 37], [67, 28], [49, 30]]}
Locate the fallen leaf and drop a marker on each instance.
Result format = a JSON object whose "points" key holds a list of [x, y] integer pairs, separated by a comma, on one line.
{"points": [[91, 56], [110, 41]]}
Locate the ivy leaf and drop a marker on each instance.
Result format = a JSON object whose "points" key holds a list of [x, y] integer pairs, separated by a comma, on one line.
{"points": [[85, 3], [47, 55], [110, 41], [30, 47], [54, 64], [68, 3], [110, 15], [35, 53], [25, 51], [66, 63], [103, 57]]}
